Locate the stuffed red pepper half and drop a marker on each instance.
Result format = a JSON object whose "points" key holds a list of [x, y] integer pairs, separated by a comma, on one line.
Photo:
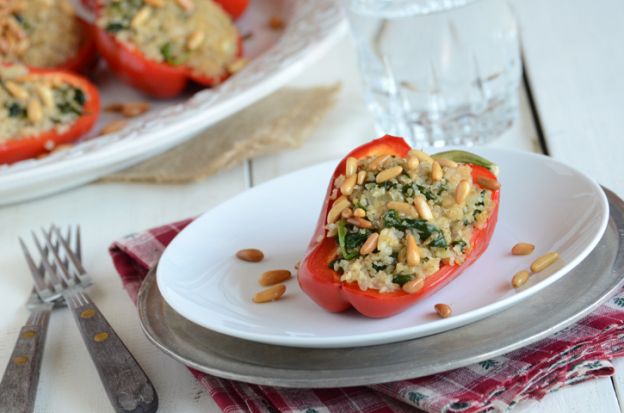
{"points": [[397, 225], [45, 34], [41, 109], [158, 46]]}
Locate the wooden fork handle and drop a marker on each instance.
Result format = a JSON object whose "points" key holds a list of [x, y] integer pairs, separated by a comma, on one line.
{"points": [[128, 387], [18, 388]]}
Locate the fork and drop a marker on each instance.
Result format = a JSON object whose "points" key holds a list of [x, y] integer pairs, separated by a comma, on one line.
{"points": [[128, 387]]}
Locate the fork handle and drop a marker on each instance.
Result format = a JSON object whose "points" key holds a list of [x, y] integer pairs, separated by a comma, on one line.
{"points": [[18, 388], [128, 387]]}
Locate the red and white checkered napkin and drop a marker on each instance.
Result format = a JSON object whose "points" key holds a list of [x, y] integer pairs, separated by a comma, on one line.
{"points": [[576, 354]]}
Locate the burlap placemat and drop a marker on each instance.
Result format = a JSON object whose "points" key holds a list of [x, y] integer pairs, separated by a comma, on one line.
{"points": [[282, 120]]}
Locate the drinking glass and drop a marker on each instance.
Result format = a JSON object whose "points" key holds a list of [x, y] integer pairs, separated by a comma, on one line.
{"points": [[438, 72]]}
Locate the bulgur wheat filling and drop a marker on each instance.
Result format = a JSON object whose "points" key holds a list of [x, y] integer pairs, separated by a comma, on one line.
{"points": [[196, 34], [31, 104], [39, 33], [397, 221]]}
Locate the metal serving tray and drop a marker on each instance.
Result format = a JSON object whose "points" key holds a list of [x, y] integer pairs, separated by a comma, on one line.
{"points": [[579, 292]]}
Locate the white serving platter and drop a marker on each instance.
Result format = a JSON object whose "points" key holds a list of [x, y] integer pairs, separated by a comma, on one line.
{"points": [[276, 57]]}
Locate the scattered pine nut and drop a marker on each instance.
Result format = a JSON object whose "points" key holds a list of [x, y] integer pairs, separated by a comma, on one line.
{"points": [[250, 255], [274, 277], [402, 207], [378, 162], [114, 126], [422, 156], [423, 208], [187, 5], [411, 254], [46, 96], [34, 111], [447, 162], [360, 222], [273, 293], [359, 213], [195, 40], [520, 279], [347, 186], [388, 174], [544, 261], [155, 3], [351, 166], [436, 171], [488, 183], [16, 90], [361, 177], [346, 213], [141, 17], [130, 109], [413, 286], [276, 23], [370, 244], [339, 205], [412, 163], [462, 191], [522, 248], [443, 310]]}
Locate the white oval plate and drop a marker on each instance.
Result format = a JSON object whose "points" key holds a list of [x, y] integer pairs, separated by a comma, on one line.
{"points": [[543, 202], [276, 57]]}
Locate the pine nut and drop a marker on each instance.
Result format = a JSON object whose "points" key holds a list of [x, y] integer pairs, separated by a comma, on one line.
{"points": [[443, 310], [370, 244], [250, 255], [388, 174], [361, 177], [141, 17], [270, 294], [16, 90], [488, 183], [346, 213], [447, 162], [130, 109], [195, 40], [544, 261], [46, 96], [34, 111], [359, 222], [412, 255], [402, 207], [462, 191], [436, 171], [422, 156], [378, 162], [187, 5], [423, 208], [274, 277], [351, 166], [520, 279], [336, 209], [522, 248], [413, 286], [114, 126], [155, 3], [412, 163], [347, 186], [359, 213]]}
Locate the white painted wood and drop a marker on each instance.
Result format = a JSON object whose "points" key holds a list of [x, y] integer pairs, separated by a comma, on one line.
{"points": [[106, 212], [575, 64]]}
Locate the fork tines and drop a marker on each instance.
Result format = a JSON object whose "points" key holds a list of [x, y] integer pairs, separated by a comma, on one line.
{"points": [[60, 265]]}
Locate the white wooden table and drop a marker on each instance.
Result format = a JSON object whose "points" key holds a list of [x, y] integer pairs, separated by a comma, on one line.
{"points": [[575, 80]]}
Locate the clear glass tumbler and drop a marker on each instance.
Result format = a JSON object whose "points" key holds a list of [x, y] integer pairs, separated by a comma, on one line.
{"points": [[438, 72]]}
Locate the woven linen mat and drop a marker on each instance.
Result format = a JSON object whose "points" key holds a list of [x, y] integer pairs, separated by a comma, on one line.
{"points": [[282, 120]]}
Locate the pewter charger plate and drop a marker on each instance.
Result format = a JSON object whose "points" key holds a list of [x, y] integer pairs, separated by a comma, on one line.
{"points": [[557, 306]]}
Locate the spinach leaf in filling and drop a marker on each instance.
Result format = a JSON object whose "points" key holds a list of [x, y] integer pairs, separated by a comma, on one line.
{"points": [[350, 242]]}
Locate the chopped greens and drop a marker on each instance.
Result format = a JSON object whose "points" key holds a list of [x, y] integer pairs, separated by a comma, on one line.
{"points": [[16, 110], [402, 278], [350, 241], [425, 230]]}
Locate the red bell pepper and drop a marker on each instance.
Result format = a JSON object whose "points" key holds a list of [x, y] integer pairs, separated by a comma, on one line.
{"points": [[157, 79], [20, 148], [323, 284], [86, 55]]}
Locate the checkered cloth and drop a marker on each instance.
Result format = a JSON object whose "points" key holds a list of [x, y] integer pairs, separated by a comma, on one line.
{"points": [[573, 355]]}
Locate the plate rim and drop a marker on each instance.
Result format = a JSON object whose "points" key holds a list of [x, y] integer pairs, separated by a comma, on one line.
{"points": [[406, 333], [263, 374]]}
